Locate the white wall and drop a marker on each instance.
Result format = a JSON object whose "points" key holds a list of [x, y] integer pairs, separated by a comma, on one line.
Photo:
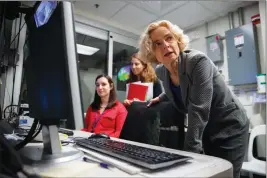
{"points": [[87, 84], [255, 112]]}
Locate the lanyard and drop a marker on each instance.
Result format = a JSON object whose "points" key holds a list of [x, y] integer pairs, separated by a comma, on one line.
{"points": [[96, 120]]}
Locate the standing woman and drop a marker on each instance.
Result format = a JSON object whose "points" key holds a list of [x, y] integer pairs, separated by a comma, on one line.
{"points": [[217, 122], [106, 115], [143, 71]]}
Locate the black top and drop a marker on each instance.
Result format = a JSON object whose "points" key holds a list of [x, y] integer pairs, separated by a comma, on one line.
{"points": [[176, 91]]}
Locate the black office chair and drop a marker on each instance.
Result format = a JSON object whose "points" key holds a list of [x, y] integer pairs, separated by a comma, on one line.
{"points": [[171, 117], [142, 123], [133, 127]]}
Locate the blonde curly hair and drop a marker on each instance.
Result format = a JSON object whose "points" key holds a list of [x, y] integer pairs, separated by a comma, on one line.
{"points": [[146, 45]]}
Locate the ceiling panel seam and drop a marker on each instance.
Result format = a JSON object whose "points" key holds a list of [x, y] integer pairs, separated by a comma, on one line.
{"points": [[118, 11], [143, 9], [218, 14], [171, 11]]}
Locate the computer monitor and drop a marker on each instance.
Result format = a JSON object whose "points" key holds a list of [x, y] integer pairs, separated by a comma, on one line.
{"points": [[51, 68], [52, 76]]}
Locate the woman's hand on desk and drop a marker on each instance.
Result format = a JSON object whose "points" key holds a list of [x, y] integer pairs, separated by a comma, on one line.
{"points": [[153, 101]]}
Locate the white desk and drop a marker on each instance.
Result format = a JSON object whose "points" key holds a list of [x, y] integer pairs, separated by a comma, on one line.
{"points": [[201, 166]]}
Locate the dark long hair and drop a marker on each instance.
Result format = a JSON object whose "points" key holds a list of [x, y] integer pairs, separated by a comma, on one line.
{"points": [[147, 75], [112, 96]]}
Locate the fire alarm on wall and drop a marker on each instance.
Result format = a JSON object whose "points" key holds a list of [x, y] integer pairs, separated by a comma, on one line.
{"points": [[256, 19]]}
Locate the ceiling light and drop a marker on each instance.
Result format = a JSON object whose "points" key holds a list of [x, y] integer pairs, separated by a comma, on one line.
{"points": [[86, 50]]}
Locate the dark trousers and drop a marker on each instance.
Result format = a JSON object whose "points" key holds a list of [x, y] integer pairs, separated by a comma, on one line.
{"points": [[232, 149]]}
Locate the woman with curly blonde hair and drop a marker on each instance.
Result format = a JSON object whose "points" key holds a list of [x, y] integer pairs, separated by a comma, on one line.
{"points": [[217, 122], [148, 129], [141, 70]]}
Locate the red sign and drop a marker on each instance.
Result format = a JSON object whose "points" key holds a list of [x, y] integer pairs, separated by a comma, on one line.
{"points": [[256, 19]]}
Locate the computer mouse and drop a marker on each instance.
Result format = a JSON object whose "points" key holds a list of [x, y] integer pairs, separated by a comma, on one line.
{"points": [[99, 135]]}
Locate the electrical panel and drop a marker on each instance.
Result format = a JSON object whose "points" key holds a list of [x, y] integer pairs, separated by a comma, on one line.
{"points": [[242, 54], [215, 48]]}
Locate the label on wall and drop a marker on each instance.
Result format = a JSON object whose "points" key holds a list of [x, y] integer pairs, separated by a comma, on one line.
{"points": [[213, 46], [239, 40]]}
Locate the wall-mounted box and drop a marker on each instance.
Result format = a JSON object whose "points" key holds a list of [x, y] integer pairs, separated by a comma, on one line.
{"points": [[215, 48], [242, 54]]}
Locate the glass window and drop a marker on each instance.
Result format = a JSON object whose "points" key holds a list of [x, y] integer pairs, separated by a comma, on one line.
{"points": [[92, 58], [121, 57]]}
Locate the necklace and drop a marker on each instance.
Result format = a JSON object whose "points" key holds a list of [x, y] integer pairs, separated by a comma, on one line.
{"points": [[103, 106]]}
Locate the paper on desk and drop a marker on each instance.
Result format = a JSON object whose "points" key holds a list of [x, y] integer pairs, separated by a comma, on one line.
{"points": [[76, 168], [123, 166]]}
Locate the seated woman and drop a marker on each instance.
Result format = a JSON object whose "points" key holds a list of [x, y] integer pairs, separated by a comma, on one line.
{"points": [[148, 125], [106, 115]]}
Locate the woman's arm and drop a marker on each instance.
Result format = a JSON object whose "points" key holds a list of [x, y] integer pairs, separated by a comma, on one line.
{"points": [[159, 94], [199, 105], [87, 120], [119, 122]]}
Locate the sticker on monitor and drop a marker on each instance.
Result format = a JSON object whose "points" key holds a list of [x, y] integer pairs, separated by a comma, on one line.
{"points": [[124, 73], [44, 12]]}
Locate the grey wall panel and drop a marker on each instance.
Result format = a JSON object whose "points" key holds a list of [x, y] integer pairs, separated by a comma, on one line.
{"points": [[242, 54]]}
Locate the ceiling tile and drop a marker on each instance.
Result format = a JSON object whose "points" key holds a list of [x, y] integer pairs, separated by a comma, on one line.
{"points": [[188, 15], [106, 9], [132, 16], [150, 6], [158, 8], [167, 6], [219, 7]]}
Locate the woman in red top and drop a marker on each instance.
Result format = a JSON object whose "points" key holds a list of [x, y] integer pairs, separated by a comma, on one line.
{"points": [[106, 114]]}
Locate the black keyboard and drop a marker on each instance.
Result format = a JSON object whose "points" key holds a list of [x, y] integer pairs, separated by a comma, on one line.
{"points": [[145, 157]]}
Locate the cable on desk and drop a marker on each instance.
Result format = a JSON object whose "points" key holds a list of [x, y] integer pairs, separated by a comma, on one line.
{"points": [[31, 135], [65, 143], [72, 140]]}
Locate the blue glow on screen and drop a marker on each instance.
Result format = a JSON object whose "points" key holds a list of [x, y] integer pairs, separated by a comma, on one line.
{"points": [[51, 98], [44, 101], [44, 12]]}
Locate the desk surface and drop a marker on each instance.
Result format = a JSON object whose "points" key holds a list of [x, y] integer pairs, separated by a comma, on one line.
{"points": [[200, 166]]}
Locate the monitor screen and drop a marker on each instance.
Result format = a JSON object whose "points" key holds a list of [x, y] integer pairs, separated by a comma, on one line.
{"points": [[44, 12], [51, 69]]}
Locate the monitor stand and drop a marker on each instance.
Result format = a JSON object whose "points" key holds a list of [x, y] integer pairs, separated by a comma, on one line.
{"points": [[51, 151]]}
